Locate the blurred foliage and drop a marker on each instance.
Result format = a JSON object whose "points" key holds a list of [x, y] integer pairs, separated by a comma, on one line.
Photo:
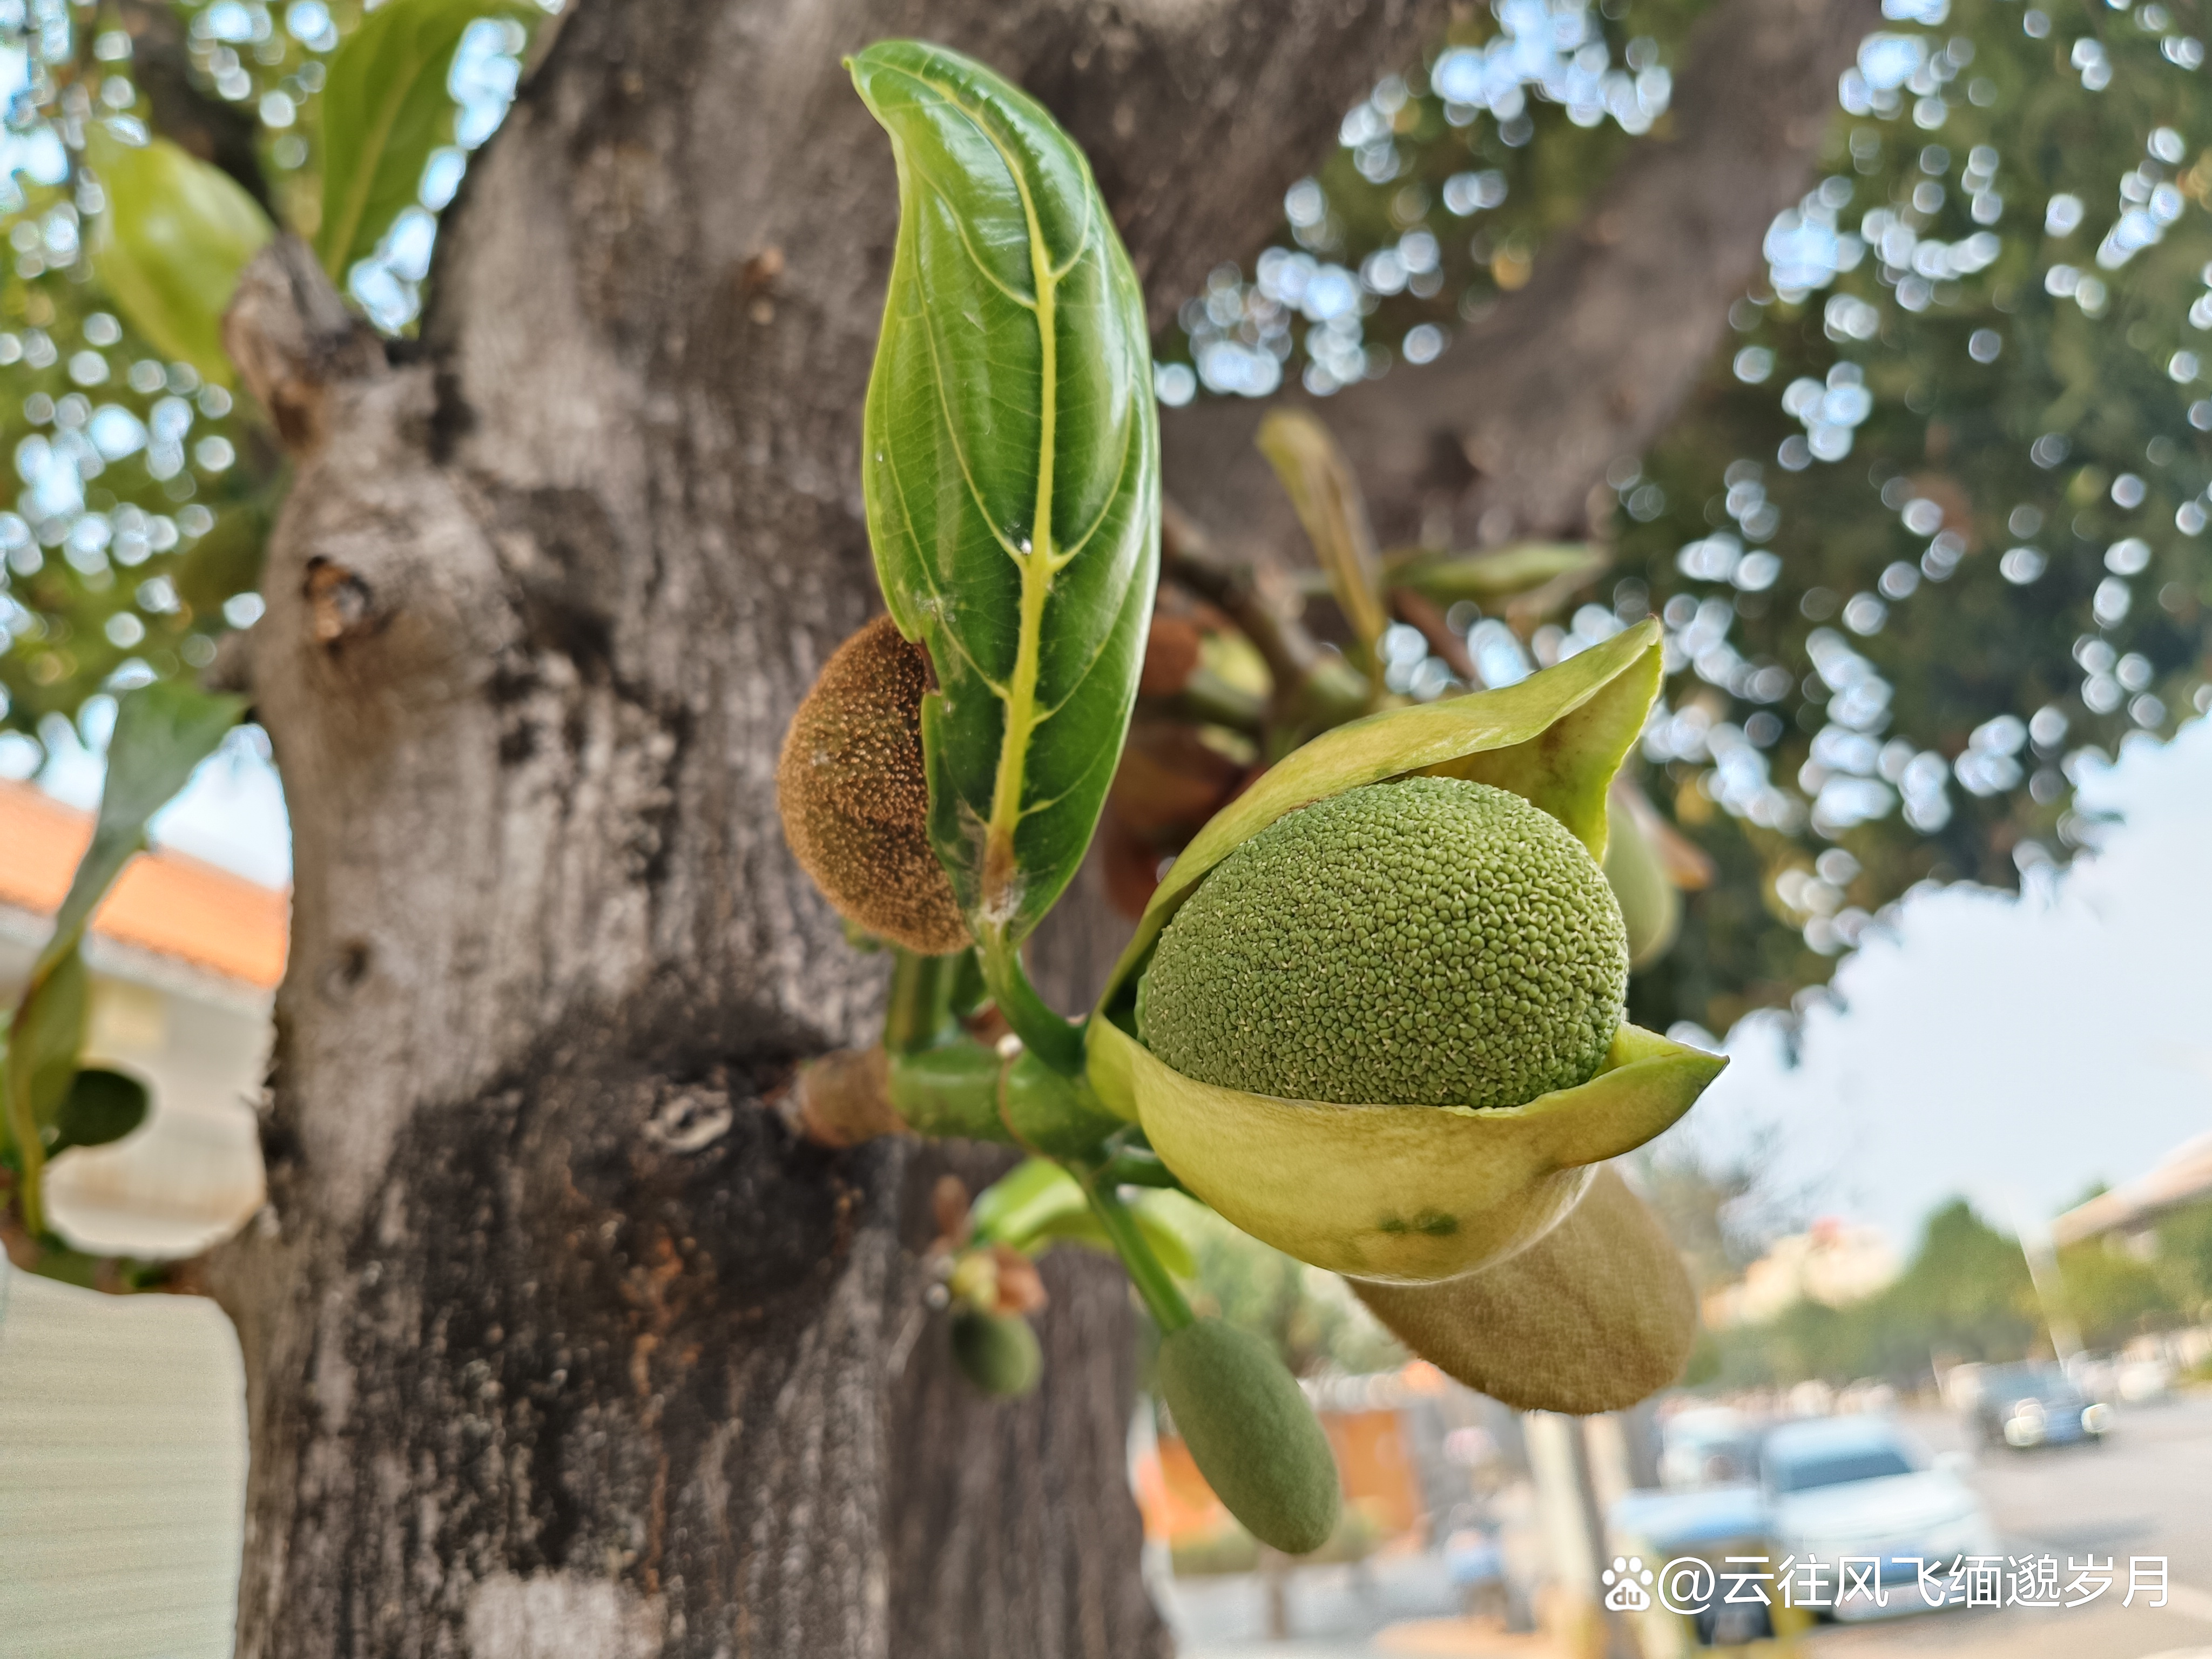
{"points": [[1967, 1295], [1979, 333], [147, 488]]}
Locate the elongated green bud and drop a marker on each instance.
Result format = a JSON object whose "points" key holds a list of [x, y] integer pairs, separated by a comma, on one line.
{"points": [[1252, 1434], [998, 1352]]}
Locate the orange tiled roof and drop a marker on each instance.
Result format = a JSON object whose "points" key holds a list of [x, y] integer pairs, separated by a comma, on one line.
{"points": [[165, 902]]}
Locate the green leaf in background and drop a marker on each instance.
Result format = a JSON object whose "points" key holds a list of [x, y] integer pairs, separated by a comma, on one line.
{"points": [[171, 244], [101, 1106], [162, 731], [1319, 482], [385, 109], [1011, 470], [1490, 578]]}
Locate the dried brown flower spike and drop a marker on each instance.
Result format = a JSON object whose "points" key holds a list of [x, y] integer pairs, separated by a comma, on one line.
{"points": [[854, 799]]}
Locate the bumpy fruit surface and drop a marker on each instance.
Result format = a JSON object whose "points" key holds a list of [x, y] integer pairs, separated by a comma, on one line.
{"points": [[855, 800], [1427, 942]]}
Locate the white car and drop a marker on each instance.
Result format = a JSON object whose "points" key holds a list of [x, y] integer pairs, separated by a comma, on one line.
{"points": [[1861, 1488]]}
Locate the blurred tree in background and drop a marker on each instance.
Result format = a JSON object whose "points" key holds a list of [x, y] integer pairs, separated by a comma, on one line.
{"points": [[1927, 535], [1967, 1295]]}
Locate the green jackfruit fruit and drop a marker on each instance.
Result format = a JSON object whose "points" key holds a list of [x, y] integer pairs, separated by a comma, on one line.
{"points": [[1251, 1433], [1427, 942], [998, 1352]]}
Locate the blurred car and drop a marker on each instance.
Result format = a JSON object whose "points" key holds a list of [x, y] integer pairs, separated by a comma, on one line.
{"points": [[1709, 1446], [1860, 1486], [2031, 1404]]}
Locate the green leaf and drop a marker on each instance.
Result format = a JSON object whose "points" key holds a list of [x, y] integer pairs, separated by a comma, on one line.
{"points": [[1011, 472], [47, 1033], [1327, 498], [1555, 739], [162, 731], [170, 247], [101, 1106], [385, 109]]}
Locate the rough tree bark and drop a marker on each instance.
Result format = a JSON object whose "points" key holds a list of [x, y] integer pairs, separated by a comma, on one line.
{"points": [[1506, 435], [558, 1345]]}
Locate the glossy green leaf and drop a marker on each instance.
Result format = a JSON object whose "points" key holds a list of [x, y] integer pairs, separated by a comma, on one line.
{"points": [[1011, 472], [101, 1106], [170, 247], [1556, 739], [1326, 496], [385, 108], [1403, 1194]]}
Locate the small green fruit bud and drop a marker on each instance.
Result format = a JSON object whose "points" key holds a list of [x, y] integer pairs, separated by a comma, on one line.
{"points": [[998, 1352], [1252, 1434], [1429, 942]]}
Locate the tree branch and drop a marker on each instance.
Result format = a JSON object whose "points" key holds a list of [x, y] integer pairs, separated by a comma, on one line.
{"points": [[1506, 435]]}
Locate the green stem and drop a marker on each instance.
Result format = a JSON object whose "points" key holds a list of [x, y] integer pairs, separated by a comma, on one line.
{"points": [[1154, 1285], [920, 1010], [1044, 1032]]}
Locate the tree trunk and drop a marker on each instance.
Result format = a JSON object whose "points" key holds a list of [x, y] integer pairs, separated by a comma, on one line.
{"points": [[556, 1343]]}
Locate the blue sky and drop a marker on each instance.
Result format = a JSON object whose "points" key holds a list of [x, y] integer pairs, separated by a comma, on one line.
{"points": [[2009, 1048]]}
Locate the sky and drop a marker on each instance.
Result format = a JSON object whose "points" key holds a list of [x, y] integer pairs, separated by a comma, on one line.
{"points": [[2009, 1048]]}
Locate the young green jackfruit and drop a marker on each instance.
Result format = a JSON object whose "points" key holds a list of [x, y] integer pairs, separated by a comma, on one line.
{"points": [[855, 800], [1427, 942], [998, 1352], [1251, 1433]]}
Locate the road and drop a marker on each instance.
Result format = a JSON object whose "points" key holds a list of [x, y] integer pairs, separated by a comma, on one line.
{"points": [[2148, 1491]]}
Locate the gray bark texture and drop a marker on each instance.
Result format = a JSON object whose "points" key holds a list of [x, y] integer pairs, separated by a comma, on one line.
{"points": [[558, 1345]]}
